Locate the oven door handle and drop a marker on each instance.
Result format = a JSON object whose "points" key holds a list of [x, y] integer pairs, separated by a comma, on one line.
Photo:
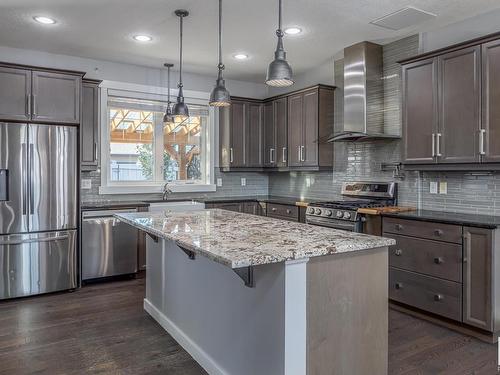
{"points": [[334, 225]]}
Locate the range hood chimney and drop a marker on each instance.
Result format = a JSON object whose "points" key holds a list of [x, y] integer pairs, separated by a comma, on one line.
{"points": [[363, 94]]}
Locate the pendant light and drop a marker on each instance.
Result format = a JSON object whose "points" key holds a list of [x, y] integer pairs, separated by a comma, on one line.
{"points": [[168, 119], [180, 110], [220, 96], [279, 72]]}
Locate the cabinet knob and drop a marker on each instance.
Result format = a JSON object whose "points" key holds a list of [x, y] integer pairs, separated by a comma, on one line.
{"points": [[398, 252], [438, 232], [399, 285], [273, 209], [288, 211], [438, 260], [438, 297], [399, 227]]}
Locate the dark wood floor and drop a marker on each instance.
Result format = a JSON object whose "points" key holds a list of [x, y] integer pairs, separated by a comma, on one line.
{"points": [[102, 329]]}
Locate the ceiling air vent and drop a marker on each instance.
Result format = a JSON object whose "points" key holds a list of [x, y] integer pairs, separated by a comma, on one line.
{"points": [[406, 17]]}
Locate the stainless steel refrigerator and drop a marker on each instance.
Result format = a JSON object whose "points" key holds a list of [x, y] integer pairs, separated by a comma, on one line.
{"points": [[38, 209]]}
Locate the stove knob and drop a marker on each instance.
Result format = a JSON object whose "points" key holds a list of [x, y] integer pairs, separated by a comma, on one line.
{"points": [[328, 212], [317, 211], [339, 214], [347, 215], [310, 210]]}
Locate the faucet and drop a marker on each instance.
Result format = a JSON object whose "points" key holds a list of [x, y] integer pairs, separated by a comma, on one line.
{"points": [[166, 191]]}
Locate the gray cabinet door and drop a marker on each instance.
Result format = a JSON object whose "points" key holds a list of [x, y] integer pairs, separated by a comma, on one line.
{"points": [[491, 101], [281, 125], [420, 92], [477, 277], [238, 119], [459, 106], [295, 129], [89, 129], [269, 135], [310, 129], [254, 135], [15, 91], [56, 97]]}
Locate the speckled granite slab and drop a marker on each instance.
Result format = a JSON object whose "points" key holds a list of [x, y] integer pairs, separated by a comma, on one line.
{"points": [[239, 240]]}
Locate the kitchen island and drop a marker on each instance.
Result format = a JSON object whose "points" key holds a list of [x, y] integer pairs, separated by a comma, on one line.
{"points": [[246, 294]]}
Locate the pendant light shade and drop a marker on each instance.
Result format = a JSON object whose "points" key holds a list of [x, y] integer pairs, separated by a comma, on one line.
{"points": [[168, 118], [180, 110], [279, 72], [219, 96]]}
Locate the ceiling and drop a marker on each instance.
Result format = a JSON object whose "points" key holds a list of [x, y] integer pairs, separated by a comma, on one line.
{"points": [[103, 29]]}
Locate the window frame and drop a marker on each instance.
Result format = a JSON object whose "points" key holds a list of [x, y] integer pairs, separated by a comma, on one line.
{"points": [[136, 91]]}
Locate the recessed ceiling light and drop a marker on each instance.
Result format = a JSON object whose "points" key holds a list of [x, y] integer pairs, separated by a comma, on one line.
{"points": [[44, 20], [241, 56], [142, 38], [293, 30]]}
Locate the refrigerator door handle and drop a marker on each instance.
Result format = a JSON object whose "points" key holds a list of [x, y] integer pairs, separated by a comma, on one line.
{"points": [[32, 196], [24, 177], [34, 240]]}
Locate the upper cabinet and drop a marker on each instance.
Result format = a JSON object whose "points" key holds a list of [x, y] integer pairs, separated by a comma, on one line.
{"points": [[39, 96], [89, 128], [451, 106], [240, 135], [287, 132], [310, 123]]}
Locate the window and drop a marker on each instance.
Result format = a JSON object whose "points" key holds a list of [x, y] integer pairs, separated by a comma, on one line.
{"points": [[139, 152]]}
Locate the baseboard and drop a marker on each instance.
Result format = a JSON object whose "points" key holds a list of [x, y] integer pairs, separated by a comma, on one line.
{"points": [[189, 345]]}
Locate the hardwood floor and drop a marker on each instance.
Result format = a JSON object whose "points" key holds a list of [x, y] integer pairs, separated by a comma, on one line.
{"points": [[102, 329]]}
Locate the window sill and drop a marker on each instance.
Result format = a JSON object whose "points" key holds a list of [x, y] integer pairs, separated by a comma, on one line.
{"points": [[152, 189]]}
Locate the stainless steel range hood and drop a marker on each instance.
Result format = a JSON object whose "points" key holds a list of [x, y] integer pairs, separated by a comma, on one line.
{"points": [[363, 95]]}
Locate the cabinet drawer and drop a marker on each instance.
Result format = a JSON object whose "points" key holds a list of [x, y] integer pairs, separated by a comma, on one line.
{"points": [[423, 229], [283, 211], [428, 293], [433, 258]]}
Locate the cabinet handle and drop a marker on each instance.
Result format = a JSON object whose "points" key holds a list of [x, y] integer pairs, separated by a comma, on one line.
{"points": [[288, 211], [284, 154], [398, 252], [438, 145], [438, 297], [399, 286], [273, 209], [438, 232], [95, 151], [399, 227], [231, 155], [482, 134], [271, 156], [438, 260], [433, 145], [33, 105], [302, 153], [28, 105]]}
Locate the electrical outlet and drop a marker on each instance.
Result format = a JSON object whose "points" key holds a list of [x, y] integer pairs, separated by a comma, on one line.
{"points": [[443, 187], [219, 182], [433, 189], [243, 181], [86, 184], [308, 181]]}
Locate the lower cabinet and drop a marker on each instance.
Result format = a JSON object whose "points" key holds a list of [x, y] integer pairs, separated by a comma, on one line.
{"points": [[248, 207], [444, 277], [283, 211]]}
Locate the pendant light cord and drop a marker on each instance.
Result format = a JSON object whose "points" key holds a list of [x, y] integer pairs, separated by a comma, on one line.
{"points": [[180, 54], [279, 32], [168, 84], [221, 66]]}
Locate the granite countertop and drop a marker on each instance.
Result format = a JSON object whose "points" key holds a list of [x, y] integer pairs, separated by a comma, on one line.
{"points": [[239, 240], [110, 204], [482, 221]]}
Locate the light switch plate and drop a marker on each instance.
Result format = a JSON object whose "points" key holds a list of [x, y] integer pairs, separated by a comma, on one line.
{"points": [[243, 181], [219, 182], [86, 184], [433, 189], [443, 187]]}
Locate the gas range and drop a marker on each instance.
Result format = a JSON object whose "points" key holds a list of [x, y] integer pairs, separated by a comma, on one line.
{"points": [[343, 214]]}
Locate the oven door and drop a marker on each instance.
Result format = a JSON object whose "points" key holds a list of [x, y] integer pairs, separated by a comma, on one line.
{"points": [[352, 226]]}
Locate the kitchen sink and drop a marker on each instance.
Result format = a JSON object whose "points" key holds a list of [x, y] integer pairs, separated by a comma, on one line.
{"points": [[176, 206]]}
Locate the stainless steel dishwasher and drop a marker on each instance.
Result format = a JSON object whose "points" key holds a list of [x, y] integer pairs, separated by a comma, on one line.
{"points": [[109, 247]]}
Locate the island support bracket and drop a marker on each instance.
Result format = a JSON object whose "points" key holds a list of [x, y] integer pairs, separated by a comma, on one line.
{"points": [[246, 274], [189, 253]]}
